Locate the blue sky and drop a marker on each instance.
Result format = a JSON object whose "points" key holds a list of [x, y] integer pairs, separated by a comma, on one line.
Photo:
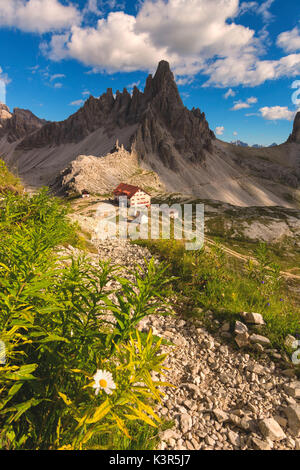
{"points": [[235, 60]]}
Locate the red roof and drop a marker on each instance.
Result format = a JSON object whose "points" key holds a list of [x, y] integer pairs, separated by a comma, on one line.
{"points": [[127, 190]]}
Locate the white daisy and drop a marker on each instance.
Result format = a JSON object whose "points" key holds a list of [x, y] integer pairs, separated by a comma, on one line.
{"points": [[104, 381]]}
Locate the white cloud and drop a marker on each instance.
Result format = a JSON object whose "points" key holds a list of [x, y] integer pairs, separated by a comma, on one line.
{"points": [[244, 105], [58, 85], [184, 80], [56, 76], [229, 93], [289, 40], [252, 100], [132, 85], [92, 7], [263, 9], [240, 105], [248, 70], [185, 32], [38, 16], [113, 45], [4, 78], [219, 130], [193, 35], [77, 103], [235, 133], [275, 113]]}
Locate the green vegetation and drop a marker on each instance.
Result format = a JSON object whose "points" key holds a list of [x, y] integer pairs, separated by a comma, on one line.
{"points": [[212, 281], [60, 326], [8, 182]]}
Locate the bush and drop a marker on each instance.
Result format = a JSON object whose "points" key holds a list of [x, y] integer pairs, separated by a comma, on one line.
{"points": [[60, 326], [8, 182]]}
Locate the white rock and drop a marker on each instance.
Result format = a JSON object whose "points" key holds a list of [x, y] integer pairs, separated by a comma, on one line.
{"points": [[260, 339], [259, 444], [221, 415], [185, 422], [234, 438], [240, 328], [271, 429], [242, 340], [292, 413], [254, 318], [293, 389], [290, 342]]}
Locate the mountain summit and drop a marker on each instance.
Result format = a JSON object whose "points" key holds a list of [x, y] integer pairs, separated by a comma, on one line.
{"points": [[154, 122], [15, 126], [295, 135]]}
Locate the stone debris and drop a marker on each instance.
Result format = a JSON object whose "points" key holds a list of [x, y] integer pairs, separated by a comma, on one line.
{"points": [[223, 398], [293, 389], [291, 342], [254, 318], [242, 340], [240, 328], [271, 429], [263, 340], [292, 413]]}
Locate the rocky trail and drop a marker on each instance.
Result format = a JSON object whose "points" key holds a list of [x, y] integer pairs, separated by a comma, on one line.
{"points": [[224, 398]]}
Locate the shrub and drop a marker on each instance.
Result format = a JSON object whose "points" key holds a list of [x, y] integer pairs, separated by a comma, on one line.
{"points": [[60, 326]]}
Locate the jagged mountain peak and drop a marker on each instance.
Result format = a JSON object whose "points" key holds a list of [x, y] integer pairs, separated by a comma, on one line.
{"points": [[18, 124], [295, 135], [160, 103], [163, 84]]}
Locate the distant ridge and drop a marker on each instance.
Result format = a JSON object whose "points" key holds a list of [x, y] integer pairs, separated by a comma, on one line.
{"points": [[239, 143]]}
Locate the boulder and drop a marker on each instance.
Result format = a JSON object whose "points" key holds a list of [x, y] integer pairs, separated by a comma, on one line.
{"points": [[263, 340], [292, 413], [271, 429], [253, 318]]}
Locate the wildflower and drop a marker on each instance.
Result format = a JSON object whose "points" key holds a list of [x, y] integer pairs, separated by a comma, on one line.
{"points": [[104, 381]]}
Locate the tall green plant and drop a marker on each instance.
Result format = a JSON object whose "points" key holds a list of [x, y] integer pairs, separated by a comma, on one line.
{"points": [[60, 326]]}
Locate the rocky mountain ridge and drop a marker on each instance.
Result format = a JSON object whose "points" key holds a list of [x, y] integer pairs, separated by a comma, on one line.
{"points": [[165, 125], [295, 135], [18, 124], [169, 139]]}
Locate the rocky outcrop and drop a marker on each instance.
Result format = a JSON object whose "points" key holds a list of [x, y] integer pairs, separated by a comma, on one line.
{"points": [[4, 114], [295, 135], [165, 127], [18, 124], [102, 175]]}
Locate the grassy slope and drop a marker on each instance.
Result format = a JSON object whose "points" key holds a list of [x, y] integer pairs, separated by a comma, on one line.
{"points": [[211, 280]]}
